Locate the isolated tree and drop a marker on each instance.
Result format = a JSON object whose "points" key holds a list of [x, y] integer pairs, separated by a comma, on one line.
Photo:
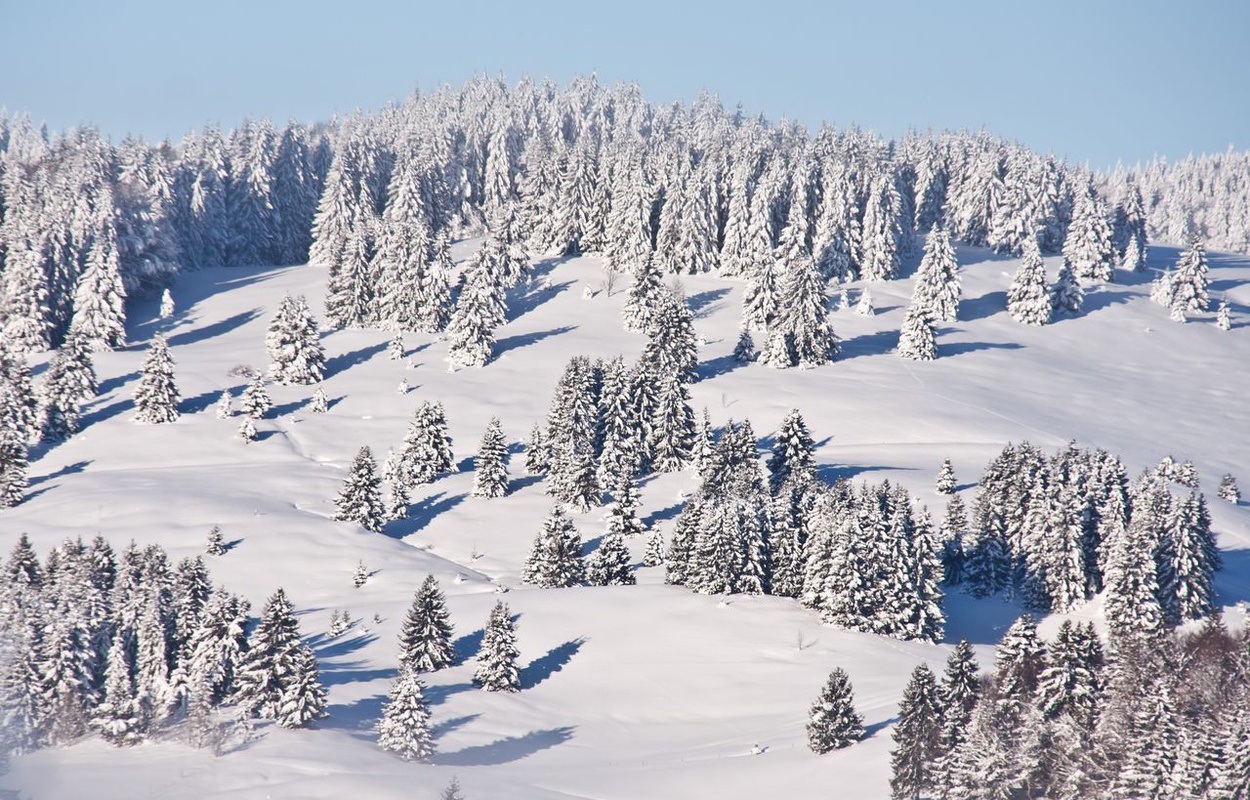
{"points": [[405, 725], [833, 722], [167, 304], [320, 403], [917, 340], [916, 736], [216, 542], [1223, 316], [1190, 283], [1067, 294], [491, 476], [946, 482], [555, 560], [653, 555], [497, 660], [864, 306], [225, 406], [1028, 300], [156, 396], [295, 351], [256, 401], [247, 429], [1134, 255], [1228, 490], [425, 638], [427, 452], [360, 499], [745, 351]]}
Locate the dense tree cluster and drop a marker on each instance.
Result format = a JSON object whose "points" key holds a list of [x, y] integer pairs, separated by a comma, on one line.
{"points": [[1058, 529], [125, 644]]}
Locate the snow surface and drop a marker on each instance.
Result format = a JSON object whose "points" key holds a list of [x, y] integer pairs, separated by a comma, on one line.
{"points": [[637, 691]]}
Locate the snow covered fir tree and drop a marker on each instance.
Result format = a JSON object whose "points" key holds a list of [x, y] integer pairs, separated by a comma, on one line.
{"points": [[635, 285]]}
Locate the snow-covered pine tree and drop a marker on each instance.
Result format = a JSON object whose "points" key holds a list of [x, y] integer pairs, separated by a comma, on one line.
{"points": [[1190, 283], [759, 301], [653, 555], [946, 482], [917, 339], [938, 287], [537, 455], [609, 564], [360, 499], [497, 659], [319, 404], [156, 396], [1018, 660], [800, 333], [295, 351], [916, 736], [745, 351], [1028, 300], [100, 297], [555, 560], [256, 401], [1069, 685], [793, 451], [216, 542], [879, 260], [425, 638], [1067, 294], [471, 330], [1229, 491], [672, 427], [643, 296], [225, 406], [405, 725], [1089, 246], [427, 452], [247, 429], [118, 718], [833, 722], [1223, 316], [277, 678], [349, 287], [1131, 580], [1193, 558], [622, 516], [864, 306], [167, 304], [360, 575], [69, 383], [491, 476], [1134, 255], [1149, 764]]}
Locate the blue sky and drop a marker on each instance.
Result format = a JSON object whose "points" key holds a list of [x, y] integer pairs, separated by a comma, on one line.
{"points": [[1092, 81]]}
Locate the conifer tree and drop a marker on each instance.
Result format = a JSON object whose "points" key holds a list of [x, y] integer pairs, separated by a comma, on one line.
{"points": [[256, 401], [349, 290], [800, 335], [1229, 491], [1069, 685], [917, 340], [946, 478], [744, 351], [673, 427], [556, 557], [864, 306], [1134, 255], [622, 516], [916, 736], [1019, 660], [879, 259], [118, 717], [360, 575], [653, 555], [958, 691], [319, 404], [1131, 598], [1190, 283], [278, 678], [1067, 294], [167, 304], [833, 722], [225, 408], [405, 725], [247, 430], [427, 449], [792, 453], [471, 330], [644, 295], [1223, 318], [938, 286], [609, 564], [295, 351], [156, 396], [99, 299], [69, 383], [1149, 763], [537, 455], [1089, 246], [216, 542], [497, 660], [360, 499], [491, 477], [1027, 299], [425, 638], [761, 298]]}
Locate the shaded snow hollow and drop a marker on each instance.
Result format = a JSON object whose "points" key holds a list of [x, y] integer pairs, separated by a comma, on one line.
{"points": [[637, 691]]}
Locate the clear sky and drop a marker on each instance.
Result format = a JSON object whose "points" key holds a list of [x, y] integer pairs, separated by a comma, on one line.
{"points": [[1092, 81]]}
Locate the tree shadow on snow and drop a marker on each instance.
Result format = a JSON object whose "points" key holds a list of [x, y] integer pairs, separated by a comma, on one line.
{"points": [[961, 348], [466, 646], [448, 725], [706, 370], [100, 414], [543, 667], [1231, 584], [437, 694], [288, 408], [69, 469], [663, 514], [831, 473], [342, 362], [875, 728], [215, 329], [704, 303], [983, 307], [358, 719], [504, 751], [870, 344], [526, 339], [327, 646], [109, 385], [201, 402], [422, 513]]}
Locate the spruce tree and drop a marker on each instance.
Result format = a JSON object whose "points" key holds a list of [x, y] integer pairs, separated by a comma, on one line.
{"points": [[294, 346], [426, 453], [917, 340], [653, 556], [118, 717], [622, 516], [256, 401], [1018, 660], [277, 678], [491, 476], [643, 296], [1089, 247], [425, 638], [1069, 685], [1223, 317], [916, 736], [946, 482], [167, 304], [216, 542], [937, 278], [556, 557], [497, 660], [247, 430], [405, 725], [349, 288], [609, 564], [303, 697], [1067, 294], [360, 499], [792, 453], [320, 403], [471, 330], [1027, 299], [800, 334], [100, 297], [833, 722], [760, 300], [673, 427], [1190, 284], [225, 408], [864, 306], [156, 396], [69, 383], [1229, 492], [744, 351]]}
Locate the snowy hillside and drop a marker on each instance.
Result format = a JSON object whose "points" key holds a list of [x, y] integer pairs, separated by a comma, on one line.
{"points": [[627, 691]]}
